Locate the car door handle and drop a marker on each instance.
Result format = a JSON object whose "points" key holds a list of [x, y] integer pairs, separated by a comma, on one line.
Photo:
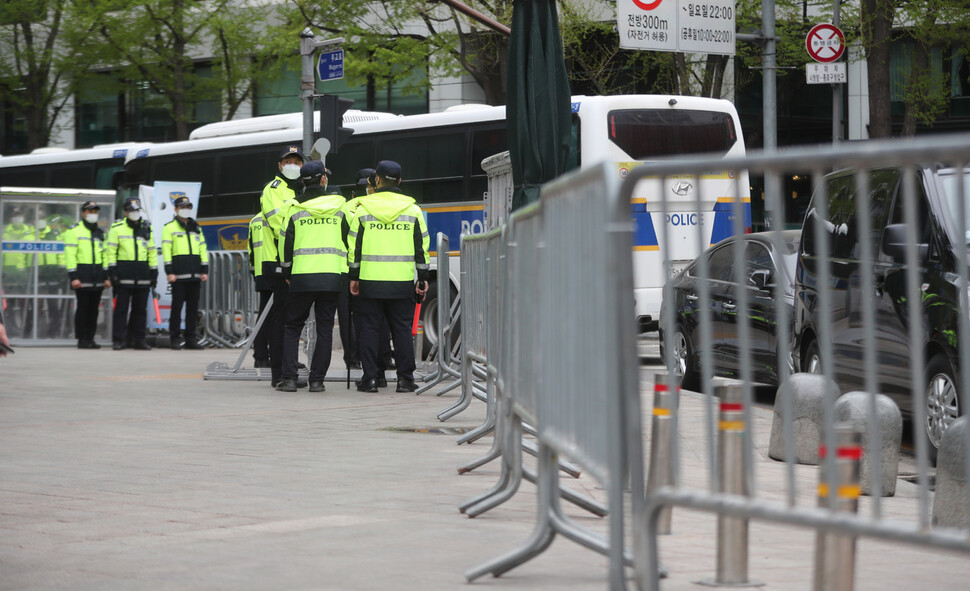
{"points": [[691, 297]]}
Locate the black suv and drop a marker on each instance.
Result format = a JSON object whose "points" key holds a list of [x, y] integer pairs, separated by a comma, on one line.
{"points": [[940, 251]]}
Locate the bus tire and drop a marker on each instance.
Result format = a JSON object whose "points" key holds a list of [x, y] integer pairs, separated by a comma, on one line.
{"points": [[429, 317]]}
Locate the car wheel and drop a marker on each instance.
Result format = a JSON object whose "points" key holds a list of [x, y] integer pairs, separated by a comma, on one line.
{"points": [[942, 402], [684, 360], [812, 360]]}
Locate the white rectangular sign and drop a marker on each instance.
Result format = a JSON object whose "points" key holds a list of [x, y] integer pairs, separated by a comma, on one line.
{"points": [[831, 73], [677, 25]]}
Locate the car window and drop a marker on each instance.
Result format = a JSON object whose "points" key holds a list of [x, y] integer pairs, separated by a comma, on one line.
{"points": [[721, 263], [758, 261], [899, 213]]}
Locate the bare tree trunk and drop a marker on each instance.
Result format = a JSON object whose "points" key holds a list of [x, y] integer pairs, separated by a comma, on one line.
{"points": [[877, 21]]}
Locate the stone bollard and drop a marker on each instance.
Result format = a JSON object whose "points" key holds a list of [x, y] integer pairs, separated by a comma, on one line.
{"points": [[853, 409], [807, 394], [950, 499]]}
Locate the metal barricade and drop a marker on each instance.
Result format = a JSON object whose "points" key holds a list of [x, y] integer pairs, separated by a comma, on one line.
{"points": [[442, 352], [574, 353], [878, 304], [229, 299]]}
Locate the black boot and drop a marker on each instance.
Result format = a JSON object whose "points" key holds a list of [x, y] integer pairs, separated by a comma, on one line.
{"points": [[287, 385]]}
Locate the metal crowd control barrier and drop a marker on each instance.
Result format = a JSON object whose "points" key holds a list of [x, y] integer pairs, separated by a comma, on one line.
{"points": [[574, 357], [882, 244], [229, 299], [442, 351]]}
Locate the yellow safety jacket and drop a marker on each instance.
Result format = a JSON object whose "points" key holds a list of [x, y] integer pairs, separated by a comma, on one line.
{"points": [[51, 258], [314, 248], [183, 250], [388, 242], [263, 259], [84, 255], [130, 254], [277, 194]]}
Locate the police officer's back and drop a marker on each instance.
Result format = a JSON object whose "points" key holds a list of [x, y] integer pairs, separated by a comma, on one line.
{"points": [[388, 247], [313, 254]]}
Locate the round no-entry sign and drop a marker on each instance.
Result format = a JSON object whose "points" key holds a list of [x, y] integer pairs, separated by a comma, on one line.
{"points": [[825, 43]]}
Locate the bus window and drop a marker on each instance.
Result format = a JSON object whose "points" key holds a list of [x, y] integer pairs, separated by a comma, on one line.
{"points": [[645, 134], [435, 191], [104, 175], [32, 176], [352, 156], [188, 168], [485, 143], [242, 171], [76, 175], [428, 156]]}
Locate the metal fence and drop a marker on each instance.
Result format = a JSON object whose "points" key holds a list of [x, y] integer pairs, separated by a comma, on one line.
{"points": [[878, 305], [589, 411], [229, 299]]}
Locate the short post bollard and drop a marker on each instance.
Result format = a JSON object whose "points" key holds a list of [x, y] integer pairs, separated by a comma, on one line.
{"points": [[666, 395], [732, 532], [835, 552]]}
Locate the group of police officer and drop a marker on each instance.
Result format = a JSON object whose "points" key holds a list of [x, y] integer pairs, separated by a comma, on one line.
{"points": [[124, 260], [310, 248]]}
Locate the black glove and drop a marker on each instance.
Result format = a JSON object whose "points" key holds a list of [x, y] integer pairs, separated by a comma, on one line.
{"points": [[154, 276], [113, 279]]}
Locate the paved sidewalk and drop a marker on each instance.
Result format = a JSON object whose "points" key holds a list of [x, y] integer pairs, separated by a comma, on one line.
{"points": [[126, 470]]}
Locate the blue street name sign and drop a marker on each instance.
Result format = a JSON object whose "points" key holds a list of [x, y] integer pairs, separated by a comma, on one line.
{"points": [[331, 65]]}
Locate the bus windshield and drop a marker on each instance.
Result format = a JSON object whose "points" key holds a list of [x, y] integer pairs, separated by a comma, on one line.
{"points": [[647, 134]]}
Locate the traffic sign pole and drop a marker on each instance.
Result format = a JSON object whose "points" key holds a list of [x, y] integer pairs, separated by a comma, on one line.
{"points": [[308, 83]]}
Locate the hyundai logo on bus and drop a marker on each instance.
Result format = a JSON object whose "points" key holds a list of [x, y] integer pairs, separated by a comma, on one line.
{"points": [[682, 188], [682, 219]]}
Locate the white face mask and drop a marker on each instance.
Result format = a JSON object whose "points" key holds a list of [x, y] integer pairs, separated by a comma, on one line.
{"points": [[134, 215], [184, 213], [17, 220], [291, 171], [91, 218]]}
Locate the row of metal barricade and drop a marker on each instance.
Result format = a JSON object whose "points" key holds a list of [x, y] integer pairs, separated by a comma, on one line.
{"points": [[228, 310], [549, 342]]}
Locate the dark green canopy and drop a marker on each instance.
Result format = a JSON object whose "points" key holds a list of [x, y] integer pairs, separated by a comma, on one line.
{"points": [[537, 98]]}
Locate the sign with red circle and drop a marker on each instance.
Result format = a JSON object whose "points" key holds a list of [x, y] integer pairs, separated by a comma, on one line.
{"points": [[825, 43], [647, 5]]}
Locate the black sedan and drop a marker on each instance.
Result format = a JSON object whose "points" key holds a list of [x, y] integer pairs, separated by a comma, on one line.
{"points": [[765, 265]]}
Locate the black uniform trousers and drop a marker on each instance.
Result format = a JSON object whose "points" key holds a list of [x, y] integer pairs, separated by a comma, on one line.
{"points": [[129, 329], [399, 314], [348, 332], [261, 340], [185, 293], [276, 321], [86, 313], [297, 310], [384, 351]]}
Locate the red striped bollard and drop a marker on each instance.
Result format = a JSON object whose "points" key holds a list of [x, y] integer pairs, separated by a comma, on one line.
{"points": [[835, 552], [663, 427]]}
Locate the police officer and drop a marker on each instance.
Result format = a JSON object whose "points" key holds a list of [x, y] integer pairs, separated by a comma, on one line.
{"points": [[314, 259], [84, 260], [50, 275], [388, 246], [265, 267], [132, 269], [277, 196], [186, 267]]}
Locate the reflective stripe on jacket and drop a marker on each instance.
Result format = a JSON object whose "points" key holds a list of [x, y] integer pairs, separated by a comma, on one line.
{"points": [[313, 252], [263, 259], [128, 257], [184, 252], [84, 255], [388, 245]]}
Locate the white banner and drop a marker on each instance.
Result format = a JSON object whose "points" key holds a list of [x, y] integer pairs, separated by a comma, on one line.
{"points": [[158, 205]]}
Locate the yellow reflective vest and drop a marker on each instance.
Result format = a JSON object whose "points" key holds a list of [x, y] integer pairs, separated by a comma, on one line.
{"points": [[388, 244], [263, 259], [130, 254], [314, 251], [84, 255], [183, 250]]}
